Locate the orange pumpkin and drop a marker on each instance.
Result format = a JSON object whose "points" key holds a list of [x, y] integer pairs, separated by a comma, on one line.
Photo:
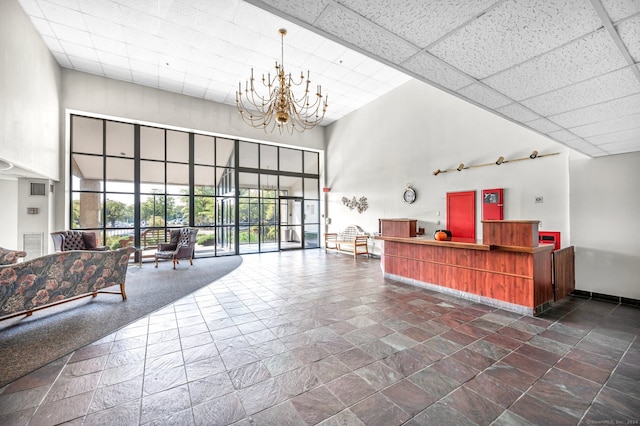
{"points": [[440, 236]]}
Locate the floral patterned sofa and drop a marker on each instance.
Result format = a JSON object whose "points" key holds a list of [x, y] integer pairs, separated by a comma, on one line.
{"points": [[8, 256], [60, 277]]}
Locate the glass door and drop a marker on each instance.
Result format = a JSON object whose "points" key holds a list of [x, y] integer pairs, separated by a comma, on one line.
{"points": [[291, 219]]}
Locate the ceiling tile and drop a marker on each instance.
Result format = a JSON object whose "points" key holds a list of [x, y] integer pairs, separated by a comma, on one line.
{"points": [[85, 65], [118, 73], [434, 70], [389, 75], [593, 151], [107, 10], [32, 8], [73, 35], [484, 95], [53, 44], [562, 135], [140, 21], [620, 9], [543, 125], [581, 60], [112, 59], [79, 51], [307, 11], [361, 33], [423, 21], [43, 27], [518, 112], [104, 28], [627, 135], [142, 40], [170, 85], [604, 88], [622, 147], [577, 143], [629, 32], [138, 55], [141, 67], [62, 15], [486, 45], [600, 112], [559, 59], [109, 45], [609, 126]]}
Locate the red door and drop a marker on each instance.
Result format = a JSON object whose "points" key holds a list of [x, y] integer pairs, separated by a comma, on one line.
{"points": [[461, 214]]}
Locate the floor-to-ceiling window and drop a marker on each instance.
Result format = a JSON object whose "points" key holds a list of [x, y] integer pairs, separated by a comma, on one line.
{"points": [[133, 183]]}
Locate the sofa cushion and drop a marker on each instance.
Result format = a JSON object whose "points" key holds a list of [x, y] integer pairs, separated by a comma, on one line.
{"points": [[73, 241], [90, 240]]}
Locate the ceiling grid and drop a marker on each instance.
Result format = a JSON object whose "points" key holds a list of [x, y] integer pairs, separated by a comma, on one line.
{"points": [[567, 69]]}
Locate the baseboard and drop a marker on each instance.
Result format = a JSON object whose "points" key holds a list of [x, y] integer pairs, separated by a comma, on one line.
{"points": [[606, 298]]}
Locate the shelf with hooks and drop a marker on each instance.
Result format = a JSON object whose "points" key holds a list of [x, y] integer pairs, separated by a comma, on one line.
{"points": [[501, 160]]}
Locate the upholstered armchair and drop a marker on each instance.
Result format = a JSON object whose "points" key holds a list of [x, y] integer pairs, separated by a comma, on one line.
{"points": [[75, 240], [181, 245], [9, 257]]}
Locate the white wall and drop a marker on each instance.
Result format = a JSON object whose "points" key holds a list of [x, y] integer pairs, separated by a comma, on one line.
{"points": [[29, 95], [29, 119], [35, 224], [404, 136], [99, 95], [9, 214], [605, 206]]}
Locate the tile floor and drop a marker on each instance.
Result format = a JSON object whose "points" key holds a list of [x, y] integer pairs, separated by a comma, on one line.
{"points": [[305, 337]]}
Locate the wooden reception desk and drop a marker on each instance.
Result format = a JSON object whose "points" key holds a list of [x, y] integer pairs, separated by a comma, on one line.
{"points": [[507, 269]]}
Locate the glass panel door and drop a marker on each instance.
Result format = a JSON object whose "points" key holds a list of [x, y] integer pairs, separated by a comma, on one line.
{"points": [[290, 223]]}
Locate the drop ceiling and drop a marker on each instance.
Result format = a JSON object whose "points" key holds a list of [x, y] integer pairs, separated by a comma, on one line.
{"points": [[568, 69]]}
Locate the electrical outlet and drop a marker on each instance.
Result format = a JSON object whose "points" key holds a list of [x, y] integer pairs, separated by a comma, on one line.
{"points": [[539, 199]]}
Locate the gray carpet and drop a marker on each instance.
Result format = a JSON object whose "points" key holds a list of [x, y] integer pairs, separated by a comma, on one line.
{"points": [[27, 344]]}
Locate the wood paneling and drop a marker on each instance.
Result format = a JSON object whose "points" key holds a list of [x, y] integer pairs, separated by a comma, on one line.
{"points": [[398, 227], [521, 277], [564, 272], [519, 233]]}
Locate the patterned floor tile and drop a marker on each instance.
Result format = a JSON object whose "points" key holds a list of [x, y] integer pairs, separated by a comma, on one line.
{"points": [[305, 337]]}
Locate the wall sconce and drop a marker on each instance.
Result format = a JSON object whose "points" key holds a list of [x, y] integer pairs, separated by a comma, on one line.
{"points": [[436, 172], [460, 167], [533, 155], [500, 160]]}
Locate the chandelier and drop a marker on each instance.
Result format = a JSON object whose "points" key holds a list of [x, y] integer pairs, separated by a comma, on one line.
{"points": [[280, 107]]}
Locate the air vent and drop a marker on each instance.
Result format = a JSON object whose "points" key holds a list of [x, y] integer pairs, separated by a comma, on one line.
{"points": [[38, 188], [33, 243]]}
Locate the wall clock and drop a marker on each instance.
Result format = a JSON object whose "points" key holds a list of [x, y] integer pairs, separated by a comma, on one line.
{"points": [[409, 195]]}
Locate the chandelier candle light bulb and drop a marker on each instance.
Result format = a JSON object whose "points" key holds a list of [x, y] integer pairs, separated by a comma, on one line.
{"points": [[280, 108]]}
